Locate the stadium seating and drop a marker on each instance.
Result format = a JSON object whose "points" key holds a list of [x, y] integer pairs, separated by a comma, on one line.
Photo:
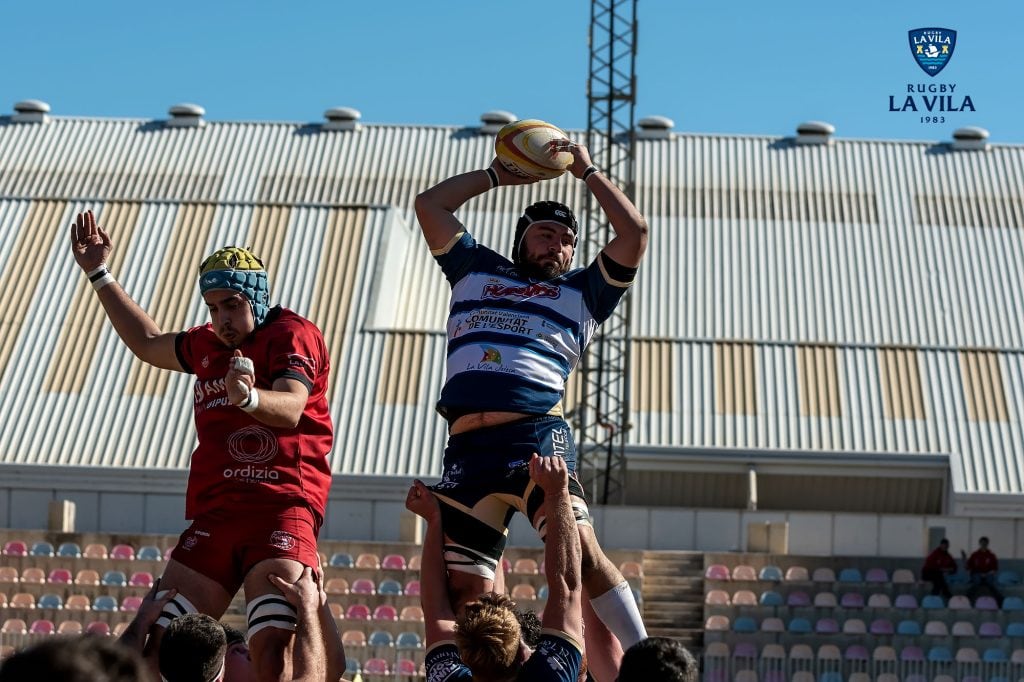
{"points": [[903, 576], [411, 613], [70, 550], [412, 588], [854, 626], [70, 627], [98, 627], [15, 548], [744, 572], [141, 579], [717, 598], [1008, 578], [122, 552], [50, 601], [823, 574], [876, 575], [14, 626], [1013, 603], [95, 550], [797, 574], [33, 575], [770, 574], [408, 640], [337, 612], [407, 668], [42, 626], [850, 575], [717, 572], [798, 598], [342, 560], [879, 600], [716, 623], [631, 569], [60, 576], [357, 612], [336, 586], [990, 629], [825, 600], [744, 598], [87, 576], [22, 600], [368, 560], [114, 579], [353, 638], [390, 587], [363, 586], [376, 666], [963, 628], [525, 566], [41, 548], [773, 624], [770, 598], [414, 562], [380, 638], [77, 602], [524, 592], [104, 602], [393, 562], [385, 612], [986, 603], [131, 603], [149, 553]]}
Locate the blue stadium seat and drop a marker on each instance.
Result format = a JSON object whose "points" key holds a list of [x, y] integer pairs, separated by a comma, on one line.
{"points": [[342, 560], [380, 638], [932, 601], [799, 626], [744, 624], [114, 579], [771, 598], [1013, 603], [41, 548], [850, 575], [994, 656], [1015, 629], [940, 654], [389, 586], [908, 627], [770, 573], [1008, 577], [408, 640], [104, 602], [71, 550], [149, 553]]}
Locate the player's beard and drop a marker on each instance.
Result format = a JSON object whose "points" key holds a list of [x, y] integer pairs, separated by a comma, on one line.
{"points": [[543, 270]]}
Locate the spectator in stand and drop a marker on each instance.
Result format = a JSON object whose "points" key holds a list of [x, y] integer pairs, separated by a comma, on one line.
{"points": [[658, 658], [937, 566], [983, 567]]}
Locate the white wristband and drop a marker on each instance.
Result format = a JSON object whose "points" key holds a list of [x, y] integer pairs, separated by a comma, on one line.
{"points": [[100, 277], [251, 402]]}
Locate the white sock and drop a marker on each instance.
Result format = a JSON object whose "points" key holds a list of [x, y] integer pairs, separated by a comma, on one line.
{"points": [[617, 609]]}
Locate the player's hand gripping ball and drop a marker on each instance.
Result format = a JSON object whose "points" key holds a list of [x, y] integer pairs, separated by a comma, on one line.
{"points": [[522, 148]]}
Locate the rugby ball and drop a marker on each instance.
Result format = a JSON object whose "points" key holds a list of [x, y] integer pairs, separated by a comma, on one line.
{"points": [[520, 147]]}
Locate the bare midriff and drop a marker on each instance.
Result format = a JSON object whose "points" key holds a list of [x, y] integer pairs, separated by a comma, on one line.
{"points": [[480, 420]]}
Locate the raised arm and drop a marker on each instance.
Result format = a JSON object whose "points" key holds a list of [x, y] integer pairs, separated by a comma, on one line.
{"points": [[438, 617], [628, 245], [281, 406], [90, 245], [435, 207], [562, 551]]}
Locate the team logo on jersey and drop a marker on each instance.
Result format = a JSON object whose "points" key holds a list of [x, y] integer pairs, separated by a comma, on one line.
{"points": [[252, 445], [302, 362], [190, 542], [451, 477], [535, 290], [282, 540], [491, 355], [932, 48]]}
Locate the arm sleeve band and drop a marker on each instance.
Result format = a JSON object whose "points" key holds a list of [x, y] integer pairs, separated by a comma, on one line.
{"points": [[616, 271]]}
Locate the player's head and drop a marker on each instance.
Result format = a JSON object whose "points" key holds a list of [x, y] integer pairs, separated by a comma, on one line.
{"points": [[657, 658], [237, 661], [545, 240], [193, 648], [488, 636], [87, 658], [235, 287]]}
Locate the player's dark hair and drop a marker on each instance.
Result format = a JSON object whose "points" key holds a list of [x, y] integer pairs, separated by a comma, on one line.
{"points": [[658, 658]]}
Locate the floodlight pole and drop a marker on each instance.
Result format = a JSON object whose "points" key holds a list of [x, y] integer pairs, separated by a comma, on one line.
{"points": [[602, 414]]}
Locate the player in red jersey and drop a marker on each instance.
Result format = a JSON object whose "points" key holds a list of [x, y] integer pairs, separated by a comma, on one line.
{"points": [[259, 478]]}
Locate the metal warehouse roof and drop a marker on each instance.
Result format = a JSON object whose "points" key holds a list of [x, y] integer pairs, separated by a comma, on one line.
{"points": [[858, 297]]}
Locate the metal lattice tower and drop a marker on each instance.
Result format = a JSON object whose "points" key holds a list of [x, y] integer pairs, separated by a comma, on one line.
{"points": [[602, 413]]}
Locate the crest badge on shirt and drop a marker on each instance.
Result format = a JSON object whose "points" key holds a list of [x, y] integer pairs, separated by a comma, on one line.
{"points": [[282, 540]]}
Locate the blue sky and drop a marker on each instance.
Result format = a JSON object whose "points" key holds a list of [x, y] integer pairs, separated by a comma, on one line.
{"points": [[746, 67]]}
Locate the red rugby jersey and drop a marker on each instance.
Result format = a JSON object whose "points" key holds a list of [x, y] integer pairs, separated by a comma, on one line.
{"points": [[240, 461]]}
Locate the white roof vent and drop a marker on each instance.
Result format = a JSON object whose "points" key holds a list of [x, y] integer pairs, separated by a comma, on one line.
{"points": [[655, 128], [186, 116], [970, 138], [30, 111], [815, 132], [493, 121], [342, 118]]}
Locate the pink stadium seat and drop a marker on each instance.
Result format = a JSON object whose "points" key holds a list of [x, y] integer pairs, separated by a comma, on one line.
{"points": [[393, 562], [856, 652], [15, 548], [852, 600], [744, 572], [98, 627], [407, 668], [826, 626], [141, 579], [131, 603], [42, 627], [412, 587], [376, 666], [881, 626], [385, 612], [717, 572], [122, 552], [798, 599], [363, 586], [506, 565], [60, 576], [911, 652], [876, 575], [168, 552], [358, 612]]}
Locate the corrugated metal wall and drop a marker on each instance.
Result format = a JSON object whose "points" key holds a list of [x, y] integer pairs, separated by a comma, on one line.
{"points": [[862, 296]]}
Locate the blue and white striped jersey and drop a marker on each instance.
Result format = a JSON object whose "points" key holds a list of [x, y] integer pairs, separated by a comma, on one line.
{"points": [[512, 340]]}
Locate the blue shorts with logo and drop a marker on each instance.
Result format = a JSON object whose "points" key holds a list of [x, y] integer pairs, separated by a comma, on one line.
{"points": [[486, 481]]}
